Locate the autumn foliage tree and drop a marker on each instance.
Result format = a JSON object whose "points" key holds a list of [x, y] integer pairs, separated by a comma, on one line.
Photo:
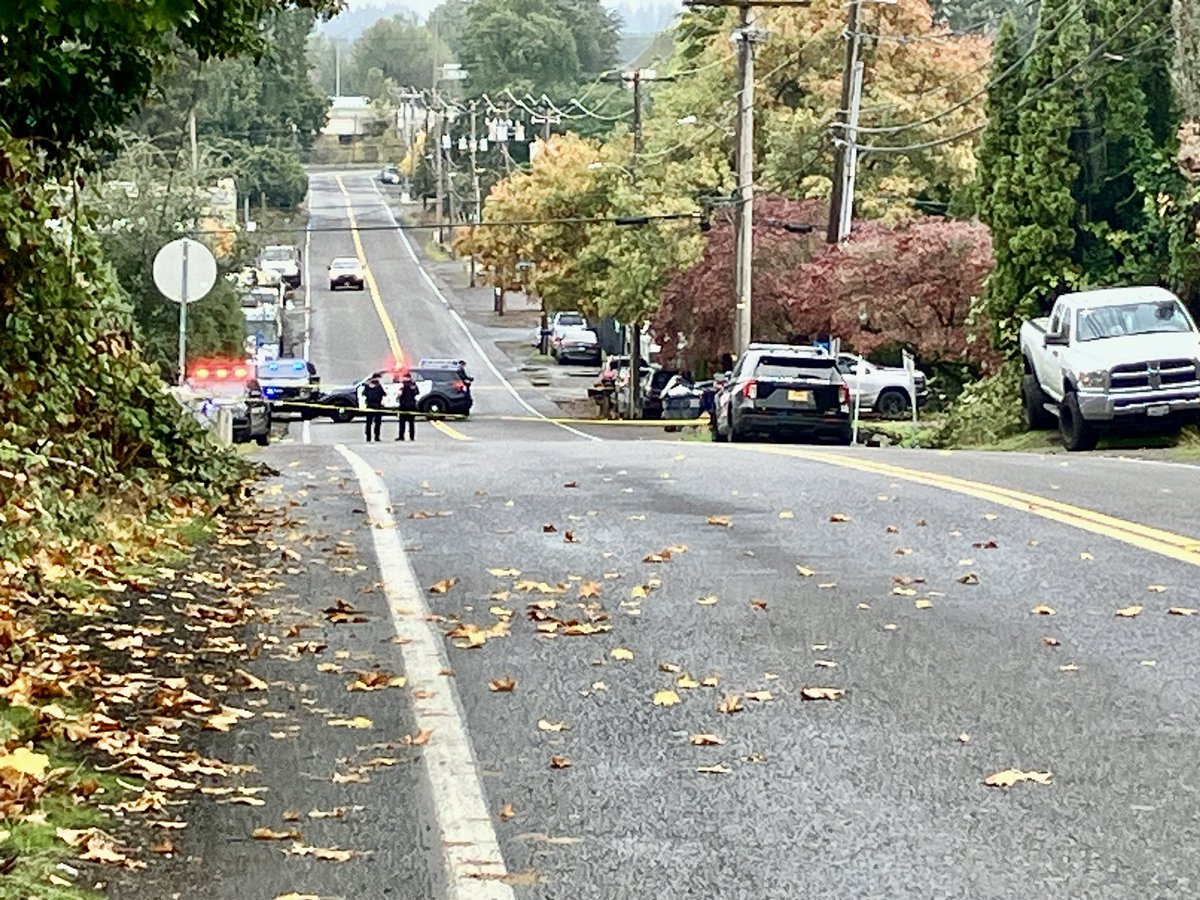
{"points": [[914, 281]]}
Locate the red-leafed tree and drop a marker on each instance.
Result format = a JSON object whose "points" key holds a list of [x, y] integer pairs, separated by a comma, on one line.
{"points": [[910, 284], [914, 281], [698, 304]]}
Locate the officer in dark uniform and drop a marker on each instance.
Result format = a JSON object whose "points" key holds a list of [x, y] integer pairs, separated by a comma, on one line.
{"points": [[373, 395], [407, 407]]}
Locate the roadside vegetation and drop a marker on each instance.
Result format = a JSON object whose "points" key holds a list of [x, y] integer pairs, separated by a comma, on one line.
{"points": [[102, 476]]}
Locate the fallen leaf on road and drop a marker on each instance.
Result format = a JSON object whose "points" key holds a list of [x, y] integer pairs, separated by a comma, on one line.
{"points": [[376, 681], [420, 739], [356, 722], [504, 573], [787, 514], [923, 603], [839, 517], [1069, 667], [252, 683], [687, 682], [1157, 588], [805, 572], [758, 604], [714, 770], [665, 698], [569, 538], [985, 545], [904, 591], [821, 693], [269, 834], [825, 664], [1042, 610], [673, 668], [589, 589], [903, 551], [760, 696], [294, 896], [707, 601], [571, 484], [640, 591], [969, 578], [328, 854], [502, 685], [730, 703], [1149, 662], [343, 613], [507, 811], [1009, 777], [721, 521], [1181, 611], [547, 725], [443, 586], [1086, 556], [559, 762], [706, 740], [1051, 641], [964, 738], [1129, 612], [620, 653], [549, 528]]}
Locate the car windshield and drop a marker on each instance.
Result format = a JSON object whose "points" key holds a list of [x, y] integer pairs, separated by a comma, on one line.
{"points": [[794, 367], [1147, 317], [277, 254], [566, 319], [344, 263]]}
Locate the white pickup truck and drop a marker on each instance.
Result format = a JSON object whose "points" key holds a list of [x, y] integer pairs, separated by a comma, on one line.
{"points": [[1122, 359]]}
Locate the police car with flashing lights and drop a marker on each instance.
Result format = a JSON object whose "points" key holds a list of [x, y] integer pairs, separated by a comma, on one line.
{"points": [[443, 388], [221, 384], [290, 385]]}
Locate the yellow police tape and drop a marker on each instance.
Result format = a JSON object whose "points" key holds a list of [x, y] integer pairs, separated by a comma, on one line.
{"points": [[391, 412]]}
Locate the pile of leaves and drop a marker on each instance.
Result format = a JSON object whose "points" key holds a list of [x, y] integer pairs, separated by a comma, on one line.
{"points": [[88, 431], [102, 672]]}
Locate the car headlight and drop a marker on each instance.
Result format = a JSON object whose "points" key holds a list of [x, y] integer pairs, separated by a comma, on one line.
{"points": [[1093, 381]]}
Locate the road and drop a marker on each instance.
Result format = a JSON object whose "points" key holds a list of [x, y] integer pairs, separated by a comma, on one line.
{"points": [[965, 603]]}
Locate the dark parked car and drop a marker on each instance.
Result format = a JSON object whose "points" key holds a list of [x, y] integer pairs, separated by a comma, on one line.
{"points": [[781, 391], [441, 389]]}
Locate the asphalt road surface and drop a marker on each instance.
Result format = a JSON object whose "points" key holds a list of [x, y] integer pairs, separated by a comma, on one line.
{"points": [[637, 626]]}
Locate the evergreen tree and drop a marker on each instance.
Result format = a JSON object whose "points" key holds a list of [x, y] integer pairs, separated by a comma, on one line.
{"points": [[1035, 260]]}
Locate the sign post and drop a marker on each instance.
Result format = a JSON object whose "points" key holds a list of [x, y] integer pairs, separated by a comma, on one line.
{"points": [[185, 271], [910, 366]]}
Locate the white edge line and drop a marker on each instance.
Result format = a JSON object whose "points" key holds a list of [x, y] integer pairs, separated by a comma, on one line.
{"points": [[469, 843], [463, 325], [306, 426]]}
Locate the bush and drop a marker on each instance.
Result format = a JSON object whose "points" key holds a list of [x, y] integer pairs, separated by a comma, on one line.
{"points": [[985, 411]]}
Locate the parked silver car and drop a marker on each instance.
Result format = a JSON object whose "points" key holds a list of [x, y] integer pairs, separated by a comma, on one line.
{"points": [[884, 389]]}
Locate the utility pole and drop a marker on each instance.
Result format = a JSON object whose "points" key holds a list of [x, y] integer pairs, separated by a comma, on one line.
{"points": [[847, 215], [191, 125], [478, 213], [837, 200], [438, 168], [744, 246], [337, 69]]}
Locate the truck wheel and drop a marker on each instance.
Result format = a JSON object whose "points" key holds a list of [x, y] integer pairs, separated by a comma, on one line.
{"points": [[1033, 405], [892, 403], [342, 414], [1076, 433]]}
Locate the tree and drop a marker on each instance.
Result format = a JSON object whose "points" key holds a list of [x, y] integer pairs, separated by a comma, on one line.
{"points": [[1038, 215], [76, 70], [911, 284], [519, 45], [401, 50], [981, 15]]}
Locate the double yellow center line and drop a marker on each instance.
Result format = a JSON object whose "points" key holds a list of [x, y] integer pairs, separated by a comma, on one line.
{"points": [[373, 288], [1165, 543]]}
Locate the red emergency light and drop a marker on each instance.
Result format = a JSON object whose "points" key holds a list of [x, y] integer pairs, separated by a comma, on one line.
{"points": [[219, 370]]}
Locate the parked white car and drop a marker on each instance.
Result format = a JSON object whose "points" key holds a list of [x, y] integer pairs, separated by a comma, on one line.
{"points": [[1122, 359], [882, 389]]}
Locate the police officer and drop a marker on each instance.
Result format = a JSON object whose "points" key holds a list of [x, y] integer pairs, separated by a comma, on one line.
{"points": [[407, 405], [373, 395]]}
